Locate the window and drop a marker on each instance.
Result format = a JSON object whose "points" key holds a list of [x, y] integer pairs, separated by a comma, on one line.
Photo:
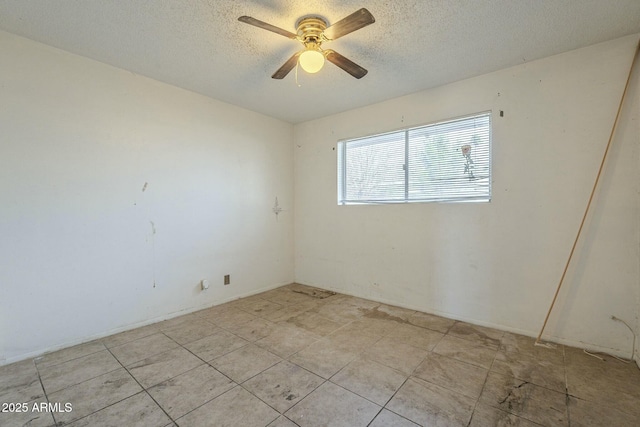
{"points": [[443, 162]]}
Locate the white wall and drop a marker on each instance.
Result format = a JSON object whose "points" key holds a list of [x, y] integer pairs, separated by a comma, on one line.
{"points": [[79, 257], [632, 117], [497, 263]]}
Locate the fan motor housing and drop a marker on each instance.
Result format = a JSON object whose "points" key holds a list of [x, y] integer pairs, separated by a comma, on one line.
{"points": [[310, 29]]}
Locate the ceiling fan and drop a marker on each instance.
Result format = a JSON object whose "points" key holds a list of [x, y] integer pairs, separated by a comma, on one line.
{"points": [[312, 31]]}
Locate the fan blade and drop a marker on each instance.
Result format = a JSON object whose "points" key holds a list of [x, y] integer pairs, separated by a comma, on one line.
{"points": [[355, 21], [286, 67], [260, 24], [346, 64]]}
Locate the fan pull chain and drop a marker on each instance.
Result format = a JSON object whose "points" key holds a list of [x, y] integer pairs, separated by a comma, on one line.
{"points": [[297, 66]]}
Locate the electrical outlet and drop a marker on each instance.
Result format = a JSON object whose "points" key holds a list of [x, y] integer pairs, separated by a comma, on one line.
{"points": [[227, 279]]}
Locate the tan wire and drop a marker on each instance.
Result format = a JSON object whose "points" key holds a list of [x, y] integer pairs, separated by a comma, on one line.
{"points": [[595, 185]]}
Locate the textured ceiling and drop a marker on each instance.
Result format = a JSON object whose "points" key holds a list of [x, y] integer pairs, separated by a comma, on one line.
{"points": [[413, 45]]}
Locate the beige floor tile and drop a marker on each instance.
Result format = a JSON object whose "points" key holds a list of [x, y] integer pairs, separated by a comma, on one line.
{"points": [[358, 302], [606, 382], [230, 317], [290, 311], [340, 311], [19, 382], [282, 421], [75, 371], [519, 344], [485, 416], [314, 323], [261, 307], [95, 394], [417, 336], [527, 367], [26, 416], [311, 291], [580, 360], [323, 358], [286, 340], [131, 335], [161, 367], [185, 392], [467, 351], [431, 321], [175, 321], [253, 330], [475, 333], [245, 362], [215, 345], [526, 400], [286, 296], [387, 418], [446, 372], [353, 340], [135, 411], [397, 355], [332, 406], [247, 300], [371, 326], [608, 396], [30, 389], [283, 385], [428, 404], [236, 407], [143, 348], [366, 347], [13, 375], [210, 314], [277, 295], [370, 380], [592, 414], [69, 353], [190, 331], [390, 313], [387, 313]]}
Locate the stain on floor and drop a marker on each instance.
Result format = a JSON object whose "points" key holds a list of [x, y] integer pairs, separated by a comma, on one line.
{"points": [[374, 313]]}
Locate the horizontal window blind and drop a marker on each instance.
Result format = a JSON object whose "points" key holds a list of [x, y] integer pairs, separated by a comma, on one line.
{"points": [[446, 161]]}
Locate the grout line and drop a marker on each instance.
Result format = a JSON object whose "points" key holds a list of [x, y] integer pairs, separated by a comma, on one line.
{"points": [[235, 384], [84, 381], [566, 386], [69, 360], [44, 391], [484, 384], [141, 386]]}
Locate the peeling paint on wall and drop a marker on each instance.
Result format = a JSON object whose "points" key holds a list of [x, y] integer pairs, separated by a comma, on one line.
{"points": [[276, 208]]}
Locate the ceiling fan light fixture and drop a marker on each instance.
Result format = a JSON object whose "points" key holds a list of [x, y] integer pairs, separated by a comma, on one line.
{"points": [[311, 60], [312, 31]]}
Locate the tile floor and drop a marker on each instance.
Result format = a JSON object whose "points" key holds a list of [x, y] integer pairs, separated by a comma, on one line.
{"points": [[287, 357]]}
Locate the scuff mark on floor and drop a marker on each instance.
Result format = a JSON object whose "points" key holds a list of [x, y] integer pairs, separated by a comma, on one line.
{"points": [[513, 399], [315, 293]]}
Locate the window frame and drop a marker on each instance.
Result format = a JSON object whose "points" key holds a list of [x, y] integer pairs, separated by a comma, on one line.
{"points": [[341, 152]]}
